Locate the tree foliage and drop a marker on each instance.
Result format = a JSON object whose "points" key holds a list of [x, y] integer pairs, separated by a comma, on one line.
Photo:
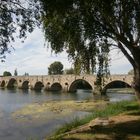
{"points": [[15, 72], [69, 71], [26, 74], [7, 73], [55, 68], [131, 72], [84, 27], [68, 26], [17, 17]]}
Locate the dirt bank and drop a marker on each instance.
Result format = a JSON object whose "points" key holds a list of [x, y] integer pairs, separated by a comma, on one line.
{"points": [[124, 127]]}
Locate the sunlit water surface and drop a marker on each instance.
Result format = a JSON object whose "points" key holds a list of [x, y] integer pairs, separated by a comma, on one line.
{"points": [[11, 100]]}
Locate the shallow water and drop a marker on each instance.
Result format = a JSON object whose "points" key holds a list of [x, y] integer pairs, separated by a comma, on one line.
{"points": [[12, 100]]}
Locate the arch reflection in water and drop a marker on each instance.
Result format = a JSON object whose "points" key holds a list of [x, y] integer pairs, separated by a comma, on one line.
{"points": [[2, 84]]}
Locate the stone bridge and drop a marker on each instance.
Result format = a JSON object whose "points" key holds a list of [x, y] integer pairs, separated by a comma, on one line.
{"points": [[67, 83]]}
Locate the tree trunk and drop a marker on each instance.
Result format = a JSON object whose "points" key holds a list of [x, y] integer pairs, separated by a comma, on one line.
{"points": [[137, 82], [136, 66]]}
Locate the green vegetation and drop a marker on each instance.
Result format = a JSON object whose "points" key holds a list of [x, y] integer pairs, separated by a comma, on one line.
{"points": [[26, 74], [83, 136], [69, 71], [131, 72], [15, 72], [55, 68], [16, 16], [7, 73], [108, 111], [88, 29]]}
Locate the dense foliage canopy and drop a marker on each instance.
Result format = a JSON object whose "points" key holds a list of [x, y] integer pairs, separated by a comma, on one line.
{"points": [[68, 25], [55, 68], [70, 71], [17, 17], [7, 73], [131, 72], [15, 72], [87, 29]]}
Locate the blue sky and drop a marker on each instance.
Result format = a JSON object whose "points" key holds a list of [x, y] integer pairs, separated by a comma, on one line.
{"points": [[34, 58]]}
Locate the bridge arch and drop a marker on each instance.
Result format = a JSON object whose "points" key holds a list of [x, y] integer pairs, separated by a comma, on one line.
{"points": [[3, 83], [25, 85], [12, 83], [38, 85], [79, 84], [116, 84], [56, 87]]}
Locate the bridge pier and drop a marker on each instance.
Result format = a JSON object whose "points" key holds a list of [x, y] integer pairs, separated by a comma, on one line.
{"points": [[31, 87], [65, 89], [47, 88], [19, 85], [97, 90]]}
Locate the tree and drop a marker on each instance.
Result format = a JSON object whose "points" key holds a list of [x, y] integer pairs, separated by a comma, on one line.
{"points": [[55, 68], [131, 72], [7, 73], [17, 17], [26, 74], [89, 26], [15, 72], [69, 71]]}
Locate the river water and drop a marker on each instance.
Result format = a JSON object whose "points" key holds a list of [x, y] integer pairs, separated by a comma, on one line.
{"points": [[12, 100]]}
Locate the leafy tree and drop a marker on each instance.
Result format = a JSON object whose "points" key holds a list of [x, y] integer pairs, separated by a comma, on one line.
{"points": [[15, 72], [131, 72], [7, 73], [55, 68], [26, 74], [69, 71], [17, 17], [85, 27]]}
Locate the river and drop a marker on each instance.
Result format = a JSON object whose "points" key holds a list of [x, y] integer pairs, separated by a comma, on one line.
{"points": [[12, 100]]}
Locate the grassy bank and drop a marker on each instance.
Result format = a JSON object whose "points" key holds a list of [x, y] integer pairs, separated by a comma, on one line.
{"points": [[107, 111]]}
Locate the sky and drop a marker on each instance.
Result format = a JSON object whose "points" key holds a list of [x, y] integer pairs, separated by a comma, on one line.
{"points": [[34, 57]]}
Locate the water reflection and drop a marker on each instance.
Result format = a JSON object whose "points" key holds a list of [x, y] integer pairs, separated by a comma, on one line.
{"points": [[12, 99], [120, 94]]}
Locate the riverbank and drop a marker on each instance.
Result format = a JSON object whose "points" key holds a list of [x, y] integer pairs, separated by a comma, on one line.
{"points": [[124, 124]]}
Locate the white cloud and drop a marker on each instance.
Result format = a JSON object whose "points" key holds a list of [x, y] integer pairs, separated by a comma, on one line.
{"points": [[119, 64], [33, 57]]}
